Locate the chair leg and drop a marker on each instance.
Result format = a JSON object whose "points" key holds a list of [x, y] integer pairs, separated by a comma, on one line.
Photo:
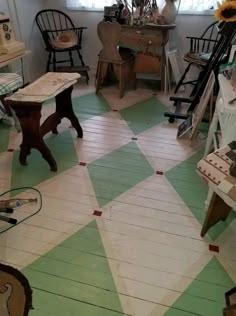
{"points": [[98, 77], [81, 58], [49, 61], [54, 62], [71, 59], [182, 78], [121, 82]]}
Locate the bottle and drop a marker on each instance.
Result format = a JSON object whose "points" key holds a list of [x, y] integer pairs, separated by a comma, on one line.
{"points": [[13, 203]]}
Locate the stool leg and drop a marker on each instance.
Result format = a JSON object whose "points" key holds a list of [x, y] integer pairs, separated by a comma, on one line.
{"points": [[217, 211], [29, 117], [46, 154], [64, 108]]}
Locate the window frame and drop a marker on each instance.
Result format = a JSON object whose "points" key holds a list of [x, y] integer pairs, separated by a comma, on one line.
{"points": [[208, 12]]}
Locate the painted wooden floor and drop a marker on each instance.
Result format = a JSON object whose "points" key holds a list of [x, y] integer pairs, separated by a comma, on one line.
{"points": [[141, 253]]}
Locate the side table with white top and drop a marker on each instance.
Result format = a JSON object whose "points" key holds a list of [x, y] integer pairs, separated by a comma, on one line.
{"points": [[218, 204]]}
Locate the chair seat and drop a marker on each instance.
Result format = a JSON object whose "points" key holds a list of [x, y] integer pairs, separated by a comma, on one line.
{"points": [[60, 50], [125, 54], [195, 58], [9, 82]]}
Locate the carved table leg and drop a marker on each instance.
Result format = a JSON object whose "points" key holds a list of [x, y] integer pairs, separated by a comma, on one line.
{"points": [[29, 117], [63, 109], [217, 211]]}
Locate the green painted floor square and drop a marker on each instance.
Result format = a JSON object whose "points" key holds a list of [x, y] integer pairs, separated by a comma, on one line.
{"points": [[117, 172], [38, 170], [90, 105], [68, 281], [144, 115]]}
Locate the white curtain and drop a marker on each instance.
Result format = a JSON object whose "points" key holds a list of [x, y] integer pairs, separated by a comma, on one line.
{"points": [[185, 5], [197, 5]]}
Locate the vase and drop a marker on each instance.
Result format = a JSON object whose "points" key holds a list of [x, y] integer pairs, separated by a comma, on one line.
{"points": [[169, 12]]}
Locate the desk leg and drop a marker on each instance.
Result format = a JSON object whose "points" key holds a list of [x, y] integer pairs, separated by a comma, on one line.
{"points": [[163, 68], [217, 211], [29, 117], [64, 108]]}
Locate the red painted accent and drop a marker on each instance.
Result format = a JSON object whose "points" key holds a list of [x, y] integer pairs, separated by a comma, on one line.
{"points": [[82, 164], [205, 180], [97, 213], [115, 110], [11, 150], [134, 138], [214, 248], [160, 173]]}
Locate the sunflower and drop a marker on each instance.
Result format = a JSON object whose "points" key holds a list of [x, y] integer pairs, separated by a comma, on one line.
{"points": [[226, 11]]}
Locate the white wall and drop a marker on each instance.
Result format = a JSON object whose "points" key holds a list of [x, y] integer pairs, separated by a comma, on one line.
{"points": [[35, 63], [186, 25]]}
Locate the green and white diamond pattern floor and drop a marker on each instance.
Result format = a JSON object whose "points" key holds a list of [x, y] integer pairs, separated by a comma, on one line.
{"points": [[143, 255]]}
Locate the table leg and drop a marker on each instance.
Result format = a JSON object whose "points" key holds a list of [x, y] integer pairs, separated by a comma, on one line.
{"points": [[29, 117], [217, 211], [163, 68], [64, 108]]}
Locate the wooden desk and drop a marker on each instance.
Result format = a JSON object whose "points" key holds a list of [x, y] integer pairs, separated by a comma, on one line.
{"points": [[138, 37]]}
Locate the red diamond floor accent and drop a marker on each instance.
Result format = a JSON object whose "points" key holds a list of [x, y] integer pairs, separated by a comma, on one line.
{"points": [[134, 138], [83, 164], [11, 150], [97, 213], [214, 248], [160, 173]]}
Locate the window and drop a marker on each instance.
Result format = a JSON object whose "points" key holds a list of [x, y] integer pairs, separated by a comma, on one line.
{"points": [[96, 5], [185, 5], [197, 5]]}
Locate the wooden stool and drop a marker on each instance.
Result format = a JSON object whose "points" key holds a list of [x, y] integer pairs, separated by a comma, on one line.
{"points": [[29, 114]]}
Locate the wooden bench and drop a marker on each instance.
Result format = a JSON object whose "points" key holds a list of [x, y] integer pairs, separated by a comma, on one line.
{"points": [[82, 70], [27, 104]]}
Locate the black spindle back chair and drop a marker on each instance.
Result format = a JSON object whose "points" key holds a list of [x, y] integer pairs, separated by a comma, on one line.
{"points": [[199, 46], [51, 23], [227, 31]]}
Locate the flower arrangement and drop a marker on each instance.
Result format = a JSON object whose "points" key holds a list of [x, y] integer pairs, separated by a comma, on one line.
{"points": [[226, 11]]}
